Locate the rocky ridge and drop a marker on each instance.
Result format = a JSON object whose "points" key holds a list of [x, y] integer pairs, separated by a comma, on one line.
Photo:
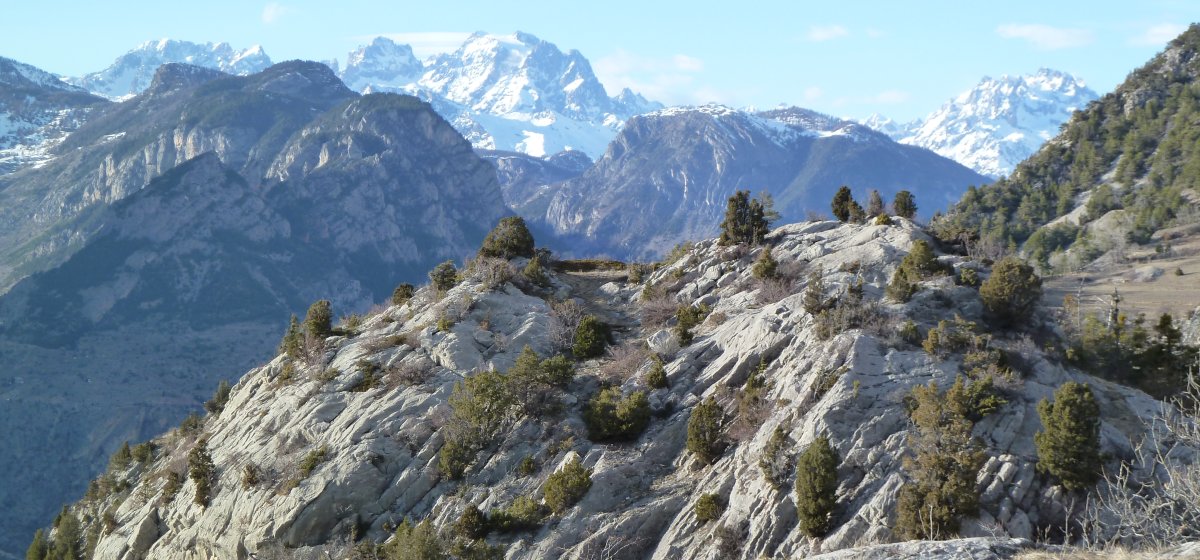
{"points": [[377, 446]]}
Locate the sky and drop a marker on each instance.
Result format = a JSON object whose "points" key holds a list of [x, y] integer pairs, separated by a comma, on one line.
{"points": [[901, 59]]}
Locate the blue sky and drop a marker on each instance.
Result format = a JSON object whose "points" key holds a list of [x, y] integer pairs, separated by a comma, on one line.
{"points": [[902, 59]]}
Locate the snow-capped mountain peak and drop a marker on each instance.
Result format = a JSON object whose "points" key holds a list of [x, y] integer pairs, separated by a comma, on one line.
{"points": [[998, 123], [133, 71], [382, 63], [512, 92]]}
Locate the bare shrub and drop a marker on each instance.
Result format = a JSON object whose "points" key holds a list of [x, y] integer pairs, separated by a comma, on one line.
{"points": [[407, 374], [773, 290], [624, 361], [1152, 500], [657, 311], [564, 321], [492, 272]]}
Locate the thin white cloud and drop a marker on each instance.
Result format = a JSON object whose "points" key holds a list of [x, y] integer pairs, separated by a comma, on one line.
{"points": [[273, 11], [890, 97], [819, 33], [1158, 35], [813, 93], [875, 33], [671, 79], [1046, 37], [424, 44]]}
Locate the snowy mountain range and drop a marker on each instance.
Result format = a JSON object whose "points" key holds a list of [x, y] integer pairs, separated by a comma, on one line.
{"points": [[512, 92], [132, 72], [998, 123], [502, 92]]}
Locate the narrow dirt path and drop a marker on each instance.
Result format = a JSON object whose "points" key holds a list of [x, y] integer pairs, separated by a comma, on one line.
{"points": [[586, 287]]}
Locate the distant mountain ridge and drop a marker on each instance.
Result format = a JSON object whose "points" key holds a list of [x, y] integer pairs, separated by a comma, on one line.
{"points": [[133, 71], [667, 176], [998, 123]]}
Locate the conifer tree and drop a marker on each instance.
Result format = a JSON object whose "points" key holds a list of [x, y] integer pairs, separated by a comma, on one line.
{"points": [[318, 322], [656, 378], [1068, 447], [706, 438], [39, 547], [746, 220], [293, 340], [403, 293], [904, 205], [202, 471], [766, 267], [444, 276], [1011, 293], [816, 487], [510, 238], [841, 203]]}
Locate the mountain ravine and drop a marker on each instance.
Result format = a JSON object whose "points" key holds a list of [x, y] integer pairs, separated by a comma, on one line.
{"points": [[313, 456]]}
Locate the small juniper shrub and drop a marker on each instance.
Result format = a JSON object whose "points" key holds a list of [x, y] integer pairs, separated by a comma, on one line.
{"points": [[510, 238], [591, 337], [687, 318], [472, 524], [610, 416], [523, 514], [251, 475], [945, 466], [567, 486], [709, 508], [706, 431], [952, 337], [775, 463], [403, 293], [444, 276], [656, 377]]}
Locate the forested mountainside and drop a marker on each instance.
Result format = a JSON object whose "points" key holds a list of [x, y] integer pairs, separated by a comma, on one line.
{"points": [[1120, 170]]}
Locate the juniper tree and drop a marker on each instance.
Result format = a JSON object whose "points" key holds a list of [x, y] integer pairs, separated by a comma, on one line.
{"points": [[202, 471], [816, 487], [293, 340], [1011, 293], [765, 267], [841, 203], [904, 205], [444, 276], [1068, 447], [746, 220], [510, 238], [705, 437], [403, 293], [318, 322]]}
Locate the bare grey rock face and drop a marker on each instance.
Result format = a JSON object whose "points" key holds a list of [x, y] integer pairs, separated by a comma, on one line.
{"points": [[380, 446]]}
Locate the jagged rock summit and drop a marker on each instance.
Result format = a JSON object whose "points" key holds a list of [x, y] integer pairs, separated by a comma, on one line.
{"points": [[310, 453], [503, 92]]}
